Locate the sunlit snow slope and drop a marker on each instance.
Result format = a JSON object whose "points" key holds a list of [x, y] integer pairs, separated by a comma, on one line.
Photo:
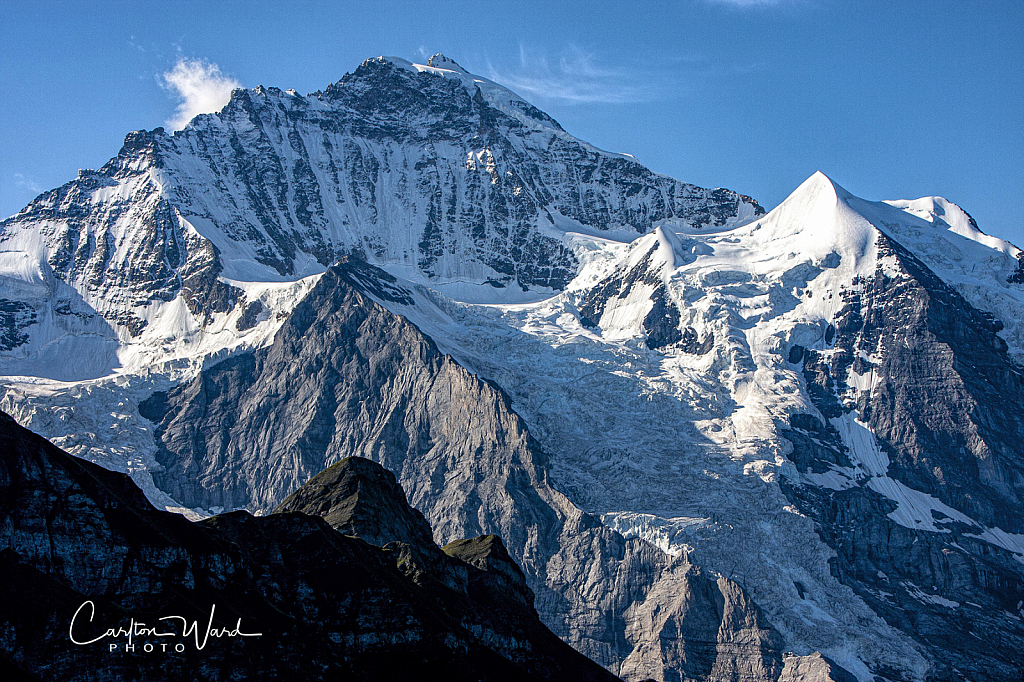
{"points": [[743, 396], [442, 176]]}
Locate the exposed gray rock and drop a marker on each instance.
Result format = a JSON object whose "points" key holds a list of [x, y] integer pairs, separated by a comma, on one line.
{"points": [[324, 605], [14, 317], [948, 409], [362, 499], [477, 582], [346, 377], [814, 668], [499, 578], [945, 409]]}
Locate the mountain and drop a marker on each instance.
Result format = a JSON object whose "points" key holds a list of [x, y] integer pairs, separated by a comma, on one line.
{"points": [[710, 437], [345, 376], [442, 176], [311, 600]]}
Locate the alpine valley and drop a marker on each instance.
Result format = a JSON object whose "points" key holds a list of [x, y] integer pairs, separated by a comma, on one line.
{"points": [[719, 444]]}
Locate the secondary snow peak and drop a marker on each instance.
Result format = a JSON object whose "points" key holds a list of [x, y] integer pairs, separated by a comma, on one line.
{"points": [[439, 61], [816, 219]]}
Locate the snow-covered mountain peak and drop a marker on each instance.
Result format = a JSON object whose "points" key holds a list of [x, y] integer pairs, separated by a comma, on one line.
{"points": [[437, 175], [671, 249], [672, 290], [943, 214], [816, 221], [821, 216], [658, 253], [818, 194], [439, 61], [791, 266], [477, 87]]}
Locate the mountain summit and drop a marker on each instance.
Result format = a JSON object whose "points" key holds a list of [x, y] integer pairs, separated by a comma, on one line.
{"points": [[439, 61], [435, 174]]}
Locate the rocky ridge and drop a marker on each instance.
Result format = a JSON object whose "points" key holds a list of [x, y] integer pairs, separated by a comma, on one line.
{"points": [[433, 172], [372, 385], [311, 600], [926, 373]]}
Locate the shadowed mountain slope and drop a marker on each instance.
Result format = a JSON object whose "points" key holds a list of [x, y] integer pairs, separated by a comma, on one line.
{"points": [[84, 551]]}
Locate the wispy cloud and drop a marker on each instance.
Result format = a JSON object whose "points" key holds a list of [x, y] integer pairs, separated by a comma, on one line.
{"points": [[575, 76], [200, 86], [747, 4], [21, 182]]}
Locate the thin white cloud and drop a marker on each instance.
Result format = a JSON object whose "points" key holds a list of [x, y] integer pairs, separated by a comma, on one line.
{"points": [[200, 86], [575, 77], [746, 4], [21, 182]]}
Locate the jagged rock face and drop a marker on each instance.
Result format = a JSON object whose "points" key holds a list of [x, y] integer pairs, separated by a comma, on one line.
{"points": [[720, 629], [15, 316], [943, 403], [360, 498], [346, 376], [947, 408], [475, 580], [813, 668], [343, 377], [323, 603], [430, 170], [499, 581], [115, 238]]}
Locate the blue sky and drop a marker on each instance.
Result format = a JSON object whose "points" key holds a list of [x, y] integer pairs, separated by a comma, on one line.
{"points": [[892, 99]]}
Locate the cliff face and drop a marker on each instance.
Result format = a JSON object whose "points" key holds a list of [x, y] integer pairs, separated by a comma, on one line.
{"points": [[83, 551], [912, 362], [442, 175], [344, 376]]}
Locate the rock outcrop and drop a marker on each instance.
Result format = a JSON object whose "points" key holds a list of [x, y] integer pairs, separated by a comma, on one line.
{"points": [[942, 400], [286, 595], [475, 581]]}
